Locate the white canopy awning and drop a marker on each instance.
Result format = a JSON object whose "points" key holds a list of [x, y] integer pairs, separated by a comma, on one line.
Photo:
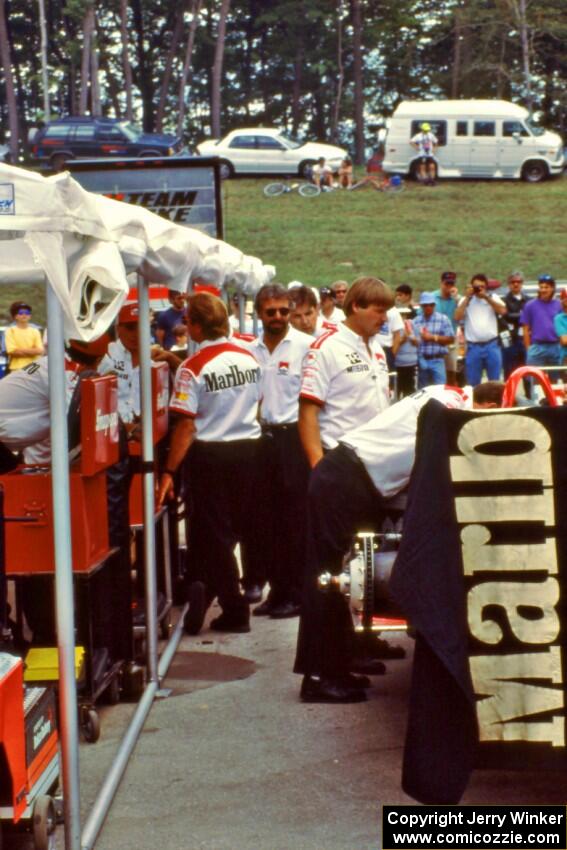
{"points": [[86, 244]]}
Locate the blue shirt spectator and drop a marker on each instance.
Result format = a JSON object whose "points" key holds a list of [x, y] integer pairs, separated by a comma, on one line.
{"points": [[434, 333], [447, 297]]}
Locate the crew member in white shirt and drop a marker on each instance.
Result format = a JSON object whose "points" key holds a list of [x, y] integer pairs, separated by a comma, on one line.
{"points": [[480, 310], [215, 401], [370, 463], [330, 313], [281, 493], [344, 384]]}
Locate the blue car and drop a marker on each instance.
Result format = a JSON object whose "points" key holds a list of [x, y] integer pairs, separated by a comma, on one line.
{"points": [[87, 138]]}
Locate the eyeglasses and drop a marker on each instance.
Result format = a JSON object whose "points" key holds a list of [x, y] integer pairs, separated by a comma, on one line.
{"points": [[24, 312], [272, 311], [340, 291], [516, 280]]}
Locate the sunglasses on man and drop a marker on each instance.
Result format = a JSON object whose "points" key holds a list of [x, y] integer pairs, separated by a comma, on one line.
{"points": [[24, 312], [272, 311]]}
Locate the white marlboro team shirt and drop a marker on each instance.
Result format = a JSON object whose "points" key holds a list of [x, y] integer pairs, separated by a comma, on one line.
{"points": [[281, 376], [118, 360], [24, 409], [349, 383], [386, 444], [219, 387]]}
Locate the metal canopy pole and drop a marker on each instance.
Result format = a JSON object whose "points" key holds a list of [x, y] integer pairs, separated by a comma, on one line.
{"points": [[114, 776], [242, 311], [63, 572], [148, 478]]}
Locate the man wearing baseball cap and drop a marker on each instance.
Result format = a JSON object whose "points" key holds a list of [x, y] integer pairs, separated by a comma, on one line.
{"points": [[446, 299], [24, 401], [434, 333], [537, 318], [425, 143]]}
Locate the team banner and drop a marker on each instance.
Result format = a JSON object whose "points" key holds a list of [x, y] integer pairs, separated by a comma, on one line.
{"points": [[482, 577]]}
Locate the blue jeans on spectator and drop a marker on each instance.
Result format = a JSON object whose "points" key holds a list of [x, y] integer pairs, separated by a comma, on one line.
{"points": [[483, 355], [430, 372], [545, 354], [513, 357]]}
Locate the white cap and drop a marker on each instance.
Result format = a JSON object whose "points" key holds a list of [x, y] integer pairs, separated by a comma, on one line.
{"points": [[294, 284]]}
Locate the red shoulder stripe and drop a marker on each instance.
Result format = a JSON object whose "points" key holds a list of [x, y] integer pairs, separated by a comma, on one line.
{"points": [[198, 361], [312, 398], [318, 342]]}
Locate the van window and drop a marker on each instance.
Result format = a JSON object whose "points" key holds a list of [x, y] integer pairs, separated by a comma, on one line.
{"points": [[438, 128], [511, 127], [462, 128], [484, 128], [57, 131]]}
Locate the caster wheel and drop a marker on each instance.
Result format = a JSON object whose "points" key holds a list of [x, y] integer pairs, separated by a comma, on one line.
{"points": [[44, 821], [165, 626], [134, 682], [112, 692], [90, 724]]}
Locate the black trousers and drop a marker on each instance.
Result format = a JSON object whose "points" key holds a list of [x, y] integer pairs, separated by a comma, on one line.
{"points": [[341, 501], [277, 552], [219, 486]]}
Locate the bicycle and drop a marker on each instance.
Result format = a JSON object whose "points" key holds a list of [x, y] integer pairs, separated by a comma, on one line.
{"points": [[306, 190]]}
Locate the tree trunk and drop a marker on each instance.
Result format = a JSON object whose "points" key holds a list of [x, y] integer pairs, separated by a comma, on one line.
{"points": [[171, 54], [96, 107], [126, 58], [456, 71], [526, 54], [296, 91], [9, 84], [195, 12], [88, 30], [358, 82], [217, 70], [145, 80], [340, 75]]}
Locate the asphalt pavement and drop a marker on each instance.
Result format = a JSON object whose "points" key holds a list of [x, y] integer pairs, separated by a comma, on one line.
{"points": [[231, 760]]}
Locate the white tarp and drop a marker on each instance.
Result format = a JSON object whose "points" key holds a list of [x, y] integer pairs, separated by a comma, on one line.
{"points": [[86, 244]]}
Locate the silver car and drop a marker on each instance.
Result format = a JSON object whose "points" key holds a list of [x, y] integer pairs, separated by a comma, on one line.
{"points": [[265, 150]]}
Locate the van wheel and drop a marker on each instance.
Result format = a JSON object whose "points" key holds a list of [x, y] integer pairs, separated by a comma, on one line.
{"points": [[534, 172]]}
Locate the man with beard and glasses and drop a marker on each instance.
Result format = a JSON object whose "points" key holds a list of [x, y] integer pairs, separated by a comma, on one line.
{"points": [[283, 471]]}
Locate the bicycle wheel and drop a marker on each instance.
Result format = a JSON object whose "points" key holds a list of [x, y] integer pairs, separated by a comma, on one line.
{"points": [[309, 190], [272, 190]]}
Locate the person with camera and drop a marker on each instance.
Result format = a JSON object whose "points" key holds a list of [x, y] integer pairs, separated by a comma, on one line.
{"points": [[480, 310]]}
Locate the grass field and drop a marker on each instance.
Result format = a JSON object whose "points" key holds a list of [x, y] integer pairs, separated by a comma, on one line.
{"points": [[490, 226]]}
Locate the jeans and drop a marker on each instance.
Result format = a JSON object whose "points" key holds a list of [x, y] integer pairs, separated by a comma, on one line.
{"points": [[545, 354], [431, 372], [513, 357], [483, 355]]}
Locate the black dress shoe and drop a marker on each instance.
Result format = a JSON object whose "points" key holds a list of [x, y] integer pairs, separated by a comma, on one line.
{"points": [[253, 593], [351, 680], [329, 690], [195, 616], [263, 609], [286, 609], [382, 649], [229, 623], [368, 666]]}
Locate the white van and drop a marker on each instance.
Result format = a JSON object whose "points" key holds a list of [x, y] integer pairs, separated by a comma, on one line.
{"points": [[477, 138]]}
